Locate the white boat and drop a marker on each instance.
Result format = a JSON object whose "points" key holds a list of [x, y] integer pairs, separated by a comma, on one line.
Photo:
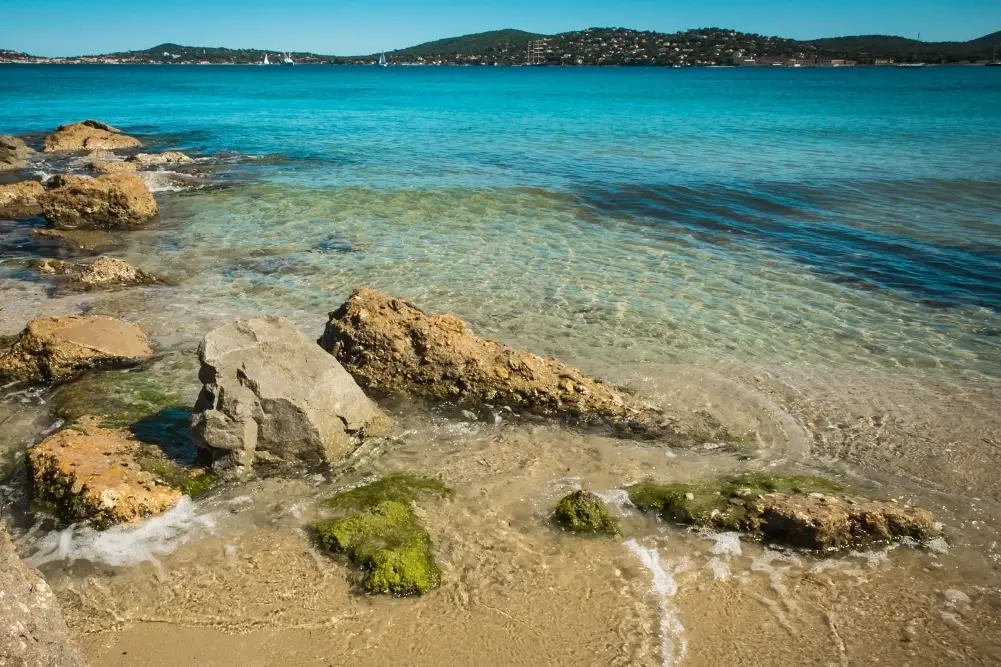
{"points": [[266, 60], [911, 65], [382, 61], [287, 60]]}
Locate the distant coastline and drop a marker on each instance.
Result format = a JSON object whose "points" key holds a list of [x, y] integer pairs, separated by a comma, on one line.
{"points": [[592, 47]]}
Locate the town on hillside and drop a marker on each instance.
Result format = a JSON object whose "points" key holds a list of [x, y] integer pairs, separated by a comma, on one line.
{"points": [[592, 47]]}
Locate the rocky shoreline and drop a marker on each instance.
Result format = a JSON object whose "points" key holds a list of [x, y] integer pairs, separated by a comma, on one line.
{"points": [[274, 402]]}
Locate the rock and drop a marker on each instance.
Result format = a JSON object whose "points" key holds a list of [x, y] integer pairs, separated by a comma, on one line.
{"points": [[272, 394], [388, 344], [376, 528], [829, 522], [21, 200], [89, 135], [151, 159], [89, 473], [112, 166], [806, 512], [102, 273], [13, 153], [111, 201], [584, 512], [78, 241], [54, 348], [32, 630]]}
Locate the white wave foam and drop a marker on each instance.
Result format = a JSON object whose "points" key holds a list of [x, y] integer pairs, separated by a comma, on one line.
{"points": [[164, 181], [123, 546], [726, 546], [617, 498], [674, 646]]}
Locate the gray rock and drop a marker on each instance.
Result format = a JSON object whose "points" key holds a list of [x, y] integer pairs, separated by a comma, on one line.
{"points": [[32, 630], [272, 395]]}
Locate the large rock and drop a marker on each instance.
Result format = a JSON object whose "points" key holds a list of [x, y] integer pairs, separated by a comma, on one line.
{"points": [[152, 159], [391, 345], [21, 200], [90, 135], [102, 273], [270, 394], [89, 473], [111, 201], [32, 630], [54, 348], [14, 153]]}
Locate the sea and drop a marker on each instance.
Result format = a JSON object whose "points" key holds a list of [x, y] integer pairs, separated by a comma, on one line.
{"points": [[812, 253]]}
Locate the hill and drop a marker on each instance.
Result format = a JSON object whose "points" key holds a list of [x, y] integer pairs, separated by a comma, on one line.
{"points": [[993, 39], [864, 47], [478, 43], [178, 54]]}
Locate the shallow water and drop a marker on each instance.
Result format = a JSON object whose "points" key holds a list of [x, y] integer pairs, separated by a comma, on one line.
{"points": [[811, 256]]}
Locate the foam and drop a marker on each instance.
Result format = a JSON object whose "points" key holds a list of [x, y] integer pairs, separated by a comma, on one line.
{"points": [[163, 181], [125, 546], [674, 646]]}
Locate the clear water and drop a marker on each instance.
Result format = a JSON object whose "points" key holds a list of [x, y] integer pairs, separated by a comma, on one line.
{"points": [[840, 218]]}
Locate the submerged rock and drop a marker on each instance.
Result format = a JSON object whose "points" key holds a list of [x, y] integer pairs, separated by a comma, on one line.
{"points": [[271, 395], [151, 159], [78, 241], [89, 135], [21, 200], [377, 530], [102, 273], [32, 630], [13, 153], [103, 166], [54, 348], [806, 512], [90, 473], [389, 344], [111, 201], [584, 512]]}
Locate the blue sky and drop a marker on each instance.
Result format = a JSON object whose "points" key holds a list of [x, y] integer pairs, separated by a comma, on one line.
{"points": [[345, 27]]}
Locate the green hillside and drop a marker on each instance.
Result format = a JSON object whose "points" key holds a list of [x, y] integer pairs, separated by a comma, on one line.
{"points": [[483, 42]]}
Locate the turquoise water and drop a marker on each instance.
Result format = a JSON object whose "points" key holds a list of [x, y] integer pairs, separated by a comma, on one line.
{"points": [[836, 218]]}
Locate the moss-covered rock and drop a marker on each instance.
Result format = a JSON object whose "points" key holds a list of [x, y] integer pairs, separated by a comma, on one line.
{"points": [[122, 398], [376, 529], [190, 481], [584, 512], [801, 511]]}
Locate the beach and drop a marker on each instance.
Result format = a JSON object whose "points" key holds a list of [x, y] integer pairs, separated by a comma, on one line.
{"points": [[804, 260]]}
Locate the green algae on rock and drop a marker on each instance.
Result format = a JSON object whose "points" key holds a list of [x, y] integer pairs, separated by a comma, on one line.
{"points": [[584, 512], [378, 531], [800, 511], [122, 398]]}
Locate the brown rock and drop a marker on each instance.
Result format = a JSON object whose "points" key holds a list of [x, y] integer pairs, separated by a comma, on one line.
{"points": [[102, 273], [78, 241], [150, 159], [53, 267], [21, 200], [89, 135], [13, 153], [32, 630], [824, 522], [112, 166], [112, 201], [389, 344], [53, 348], [89, 473]]}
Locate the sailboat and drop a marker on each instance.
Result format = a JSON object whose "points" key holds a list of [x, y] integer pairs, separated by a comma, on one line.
{"points": [[994, 62], [266, 60], [287, 60], [382, 61]]}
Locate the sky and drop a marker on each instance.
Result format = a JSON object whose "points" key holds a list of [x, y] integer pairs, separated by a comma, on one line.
{"points": [[351, 27]]}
